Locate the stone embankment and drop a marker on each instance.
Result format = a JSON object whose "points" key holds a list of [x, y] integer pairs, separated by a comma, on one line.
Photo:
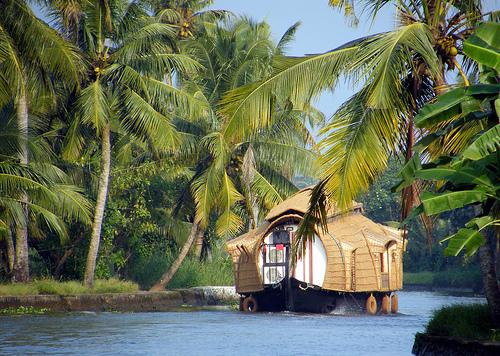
{"points": [[429, 345], [126, 302]]}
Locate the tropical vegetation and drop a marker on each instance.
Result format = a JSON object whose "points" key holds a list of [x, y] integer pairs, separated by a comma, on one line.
{"points": [[463, 142], [138, 136]]}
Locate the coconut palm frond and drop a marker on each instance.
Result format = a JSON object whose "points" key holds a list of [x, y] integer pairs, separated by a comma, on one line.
{"points": [[186, 105], [228, 223], [347, 166], [72, 204], [143, 121], [384, 58], [279, 154], [250, 107], [287, 38], [94, 106], [271, 187], [206, 190]]}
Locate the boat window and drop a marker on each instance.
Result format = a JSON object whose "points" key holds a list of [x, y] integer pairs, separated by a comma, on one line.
{"points": [[281, 237]]}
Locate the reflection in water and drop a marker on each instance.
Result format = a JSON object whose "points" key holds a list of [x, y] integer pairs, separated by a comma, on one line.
{"points": [[222, 332]]}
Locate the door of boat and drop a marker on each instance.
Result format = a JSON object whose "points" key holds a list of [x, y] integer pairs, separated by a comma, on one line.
{"points": [[276, 254]]}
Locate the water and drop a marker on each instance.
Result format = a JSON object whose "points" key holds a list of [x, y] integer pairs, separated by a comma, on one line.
{"points": [[222, 332]]}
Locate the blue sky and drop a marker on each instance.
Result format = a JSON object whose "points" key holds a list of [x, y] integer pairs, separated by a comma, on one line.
{"points": [[323, 28]]}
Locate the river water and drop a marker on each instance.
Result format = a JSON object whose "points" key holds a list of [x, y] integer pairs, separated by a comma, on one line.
{"points": [[222, 332]]}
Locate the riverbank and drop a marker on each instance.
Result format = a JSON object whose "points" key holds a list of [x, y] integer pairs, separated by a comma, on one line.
{"points": [[430, 345], [453, 280], [459, 330], [124, 302]]}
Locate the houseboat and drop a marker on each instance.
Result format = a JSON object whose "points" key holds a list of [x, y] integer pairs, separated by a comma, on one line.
{"points": [[353, 265]]}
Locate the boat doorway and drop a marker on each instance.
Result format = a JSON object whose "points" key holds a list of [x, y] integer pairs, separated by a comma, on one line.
{"points": [[275, 255]]}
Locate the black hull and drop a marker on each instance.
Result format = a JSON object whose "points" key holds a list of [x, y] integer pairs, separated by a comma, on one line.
{"points": [[297, 296]]}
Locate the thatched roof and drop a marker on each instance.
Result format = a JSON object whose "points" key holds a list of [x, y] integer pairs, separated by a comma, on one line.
{"points": [[299, 202]]}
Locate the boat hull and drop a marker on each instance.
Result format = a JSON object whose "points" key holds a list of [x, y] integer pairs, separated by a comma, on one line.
{"points": [[296, 296]]}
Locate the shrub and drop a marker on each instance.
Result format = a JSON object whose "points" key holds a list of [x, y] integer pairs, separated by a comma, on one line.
{"points": [[466, 321], [147, 270], [193, 273]]}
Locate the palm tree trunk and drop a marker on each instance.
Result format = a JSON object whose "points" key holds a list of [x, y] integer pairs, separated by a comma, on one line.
{"points": [[11, 256], [490, 281], [21, 265], [167, 276], [198, 246], [102, 194]]}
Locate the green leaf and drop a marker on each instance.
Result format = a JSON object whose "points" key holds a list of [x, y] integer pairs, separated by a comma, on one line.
{"points": [[465, 175], [94, 106], [469, 239], [407, 173], [434, 173], [480, 222], [485, 145], [483, 46], [449, 105], [437, 203]]}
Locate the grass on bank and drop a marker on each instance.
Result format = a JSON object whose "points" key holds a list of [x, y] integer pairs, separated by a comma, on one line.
{"points": [[50, 286], [453, 278], [463, 321]]}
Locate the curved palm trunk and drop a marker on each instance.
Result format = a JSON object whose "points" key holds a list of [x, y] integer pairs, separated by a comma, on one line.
{"points": [[167, 276], [102, 194], [490, 281], [20, 272]]}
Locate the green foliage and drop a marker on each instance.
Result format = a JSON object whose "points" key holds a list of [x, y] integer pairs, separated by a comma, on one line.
{"points": [[216, 272], [469, 174], [484, 46], [464, 277], [384, 206], [136, 229], [463, 321], [424, 278], [49, 286], [375, 122], [22, 310]]}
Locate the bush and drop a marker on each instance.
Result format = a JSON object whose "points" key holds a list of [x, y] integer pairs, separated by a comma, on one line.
{"points": [[49, 286], [465, 321], [148, 270], [193, 273]]}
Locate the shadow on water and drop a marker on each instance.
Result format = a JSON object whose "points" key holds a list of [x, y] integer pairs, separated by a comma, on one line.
{"points": [[222, 331]]}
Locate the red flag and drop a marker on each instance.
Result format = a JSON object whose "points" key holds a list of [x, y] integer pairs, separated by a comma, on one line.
{"points": [[280, 247]]}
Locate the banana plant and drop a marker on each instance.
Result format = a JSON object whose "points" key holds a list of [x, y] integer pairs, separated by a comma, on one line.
{"points": [[465, 122], [463, 146]]}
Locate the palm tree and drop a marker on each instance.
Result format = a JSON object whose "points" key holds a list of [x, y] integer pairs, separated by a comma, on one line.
{"points": [[32, 56], [53, 200], [242, 177], [129, 52], [397, 72], [190, 15]]}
